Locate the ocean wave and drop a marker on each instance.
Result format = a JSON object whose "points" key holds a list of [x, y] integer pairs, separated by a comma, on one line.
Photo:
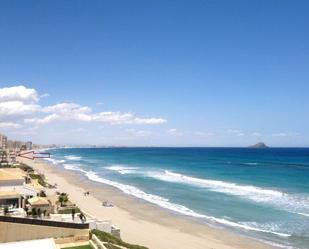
{"points": [[122, 169], [273, 227], [289, 202], [73, 158], [216, 185], [251, 164], [74, 167], [54, 161], [163, 202], [303, 214]]}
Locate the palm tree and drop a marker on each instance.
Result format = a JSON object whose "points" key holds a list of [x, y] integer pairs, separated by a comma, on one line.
{"points": [[63, 198]]}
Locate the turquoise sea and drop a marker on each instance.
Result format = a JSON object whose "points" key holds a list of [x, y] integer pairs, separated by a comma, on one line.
{"points": [[261, 193]]}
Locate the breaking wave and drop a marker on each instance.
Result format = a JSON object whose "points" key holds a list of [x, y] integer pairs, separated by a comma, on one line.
{"points": [[54, 161], [74, 167], [289, 202], [251, 164], [217, 186], [73, 158], [122, 169], [163, 202]]}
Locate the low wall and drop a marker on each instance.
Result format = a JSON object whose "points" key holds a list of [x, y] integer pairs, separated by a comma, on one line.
{"points": [[10, 232], [42, 222]]}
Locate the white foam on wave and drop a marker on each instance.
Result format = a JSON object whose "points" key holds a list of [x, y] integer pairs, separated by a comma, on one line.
{"points": [[54, 161], [303, 214], [266, 227], [216, 185], [163, 202], [251, 164], [73, 158], [288, 202], [122, 169], [73, 167]]}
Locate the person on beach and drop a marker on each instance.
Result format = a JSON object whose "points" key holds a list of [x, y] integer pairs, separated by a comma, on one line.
{"points": [[82, 217], [73, 214]]}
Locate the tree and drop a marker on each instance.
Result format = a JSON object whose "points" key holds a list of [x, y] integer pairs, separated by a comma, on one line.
{"points": [[63, 198]]}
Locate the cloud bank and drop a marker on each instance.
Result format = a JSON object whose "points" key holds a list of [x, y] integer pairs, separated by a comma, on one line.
{"points": [[20, 106]]}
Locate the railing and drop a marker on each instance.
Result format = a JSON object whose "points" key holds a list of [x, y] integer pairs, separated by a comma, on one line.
{"points": [[44, 222], [98, 243]]}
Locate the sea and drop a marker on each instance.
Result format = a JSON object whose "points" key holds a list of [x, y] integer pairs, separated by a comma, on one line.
{"points": [[259, 193]]}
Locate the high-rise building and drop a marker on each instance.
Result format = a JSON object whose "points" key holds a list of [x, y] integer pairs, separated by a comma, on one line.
{"points": [[3, 141], [29, 145]]}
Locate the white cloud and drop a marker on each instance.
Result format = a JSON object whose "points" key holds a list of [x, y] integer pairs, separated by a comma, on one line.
{"points": [[125, 118], [114, 117], [204, 134], [256, 134], [17, 108], [17, 102], [281, 134], [18, 93], [45, 120], [149, 121], [44, 95], [80, 130], [175, 132], [236, 132], [139, 133], [73, 111], [20, 104], [285, 134], [9, 125], [65, 108]]}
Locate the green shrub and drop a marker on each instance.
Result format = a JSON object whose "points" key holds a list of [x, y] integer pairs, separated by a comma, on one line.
{"points": [[26, 168], [106, 237], [111, 246], [68, 210], [63, 198], [40, 179], [78, 247]]}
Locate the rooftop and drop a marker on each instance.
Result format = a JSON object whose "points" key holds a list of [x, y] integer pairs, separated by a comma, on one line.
{"points": [[9, 194], [7, 174], [38, 201]]}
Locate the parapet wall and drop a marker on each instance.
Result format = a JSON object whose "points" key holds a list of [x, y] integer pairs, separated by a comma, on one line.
{"points": [[10, 232]]}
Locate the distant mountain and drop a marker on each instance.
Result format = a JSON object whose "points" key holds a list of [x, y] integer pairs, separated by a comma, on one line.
{"points": [[259, 145]]}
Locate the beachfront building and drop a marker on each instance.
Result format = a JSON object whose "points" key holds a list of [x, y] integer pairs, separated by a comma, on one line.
{"points": [[3, 142], [13, 188], [14, 145], [39, 205], [10, 199], [29, 145], [3, 157]]}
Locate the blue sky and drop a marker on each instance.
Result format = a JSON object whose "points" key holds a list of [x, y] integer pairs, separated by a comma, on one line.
{"points": [[172, 73]]}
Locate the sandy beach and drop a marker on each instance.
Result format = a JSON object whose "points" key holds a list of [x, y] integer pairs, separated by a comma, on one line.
{"points": [[140, 222]]}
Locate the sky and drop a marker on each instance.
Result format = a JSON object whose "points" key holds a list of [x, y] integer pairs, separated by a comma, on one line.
{"points": [[155, 73]]}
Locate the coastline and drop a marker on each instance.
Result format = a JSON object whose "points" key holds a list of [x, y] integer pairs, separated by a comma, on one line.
{"points": [[140, 222]]}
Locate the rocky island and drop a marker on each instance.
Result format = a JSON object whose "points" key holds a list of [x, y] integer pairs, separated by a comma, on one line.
{"points": [[259, 145]]}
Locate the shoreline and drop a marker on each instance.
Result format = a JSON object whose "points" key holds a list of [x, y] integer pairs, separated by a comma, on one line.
{"points": [[142, 222]]}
